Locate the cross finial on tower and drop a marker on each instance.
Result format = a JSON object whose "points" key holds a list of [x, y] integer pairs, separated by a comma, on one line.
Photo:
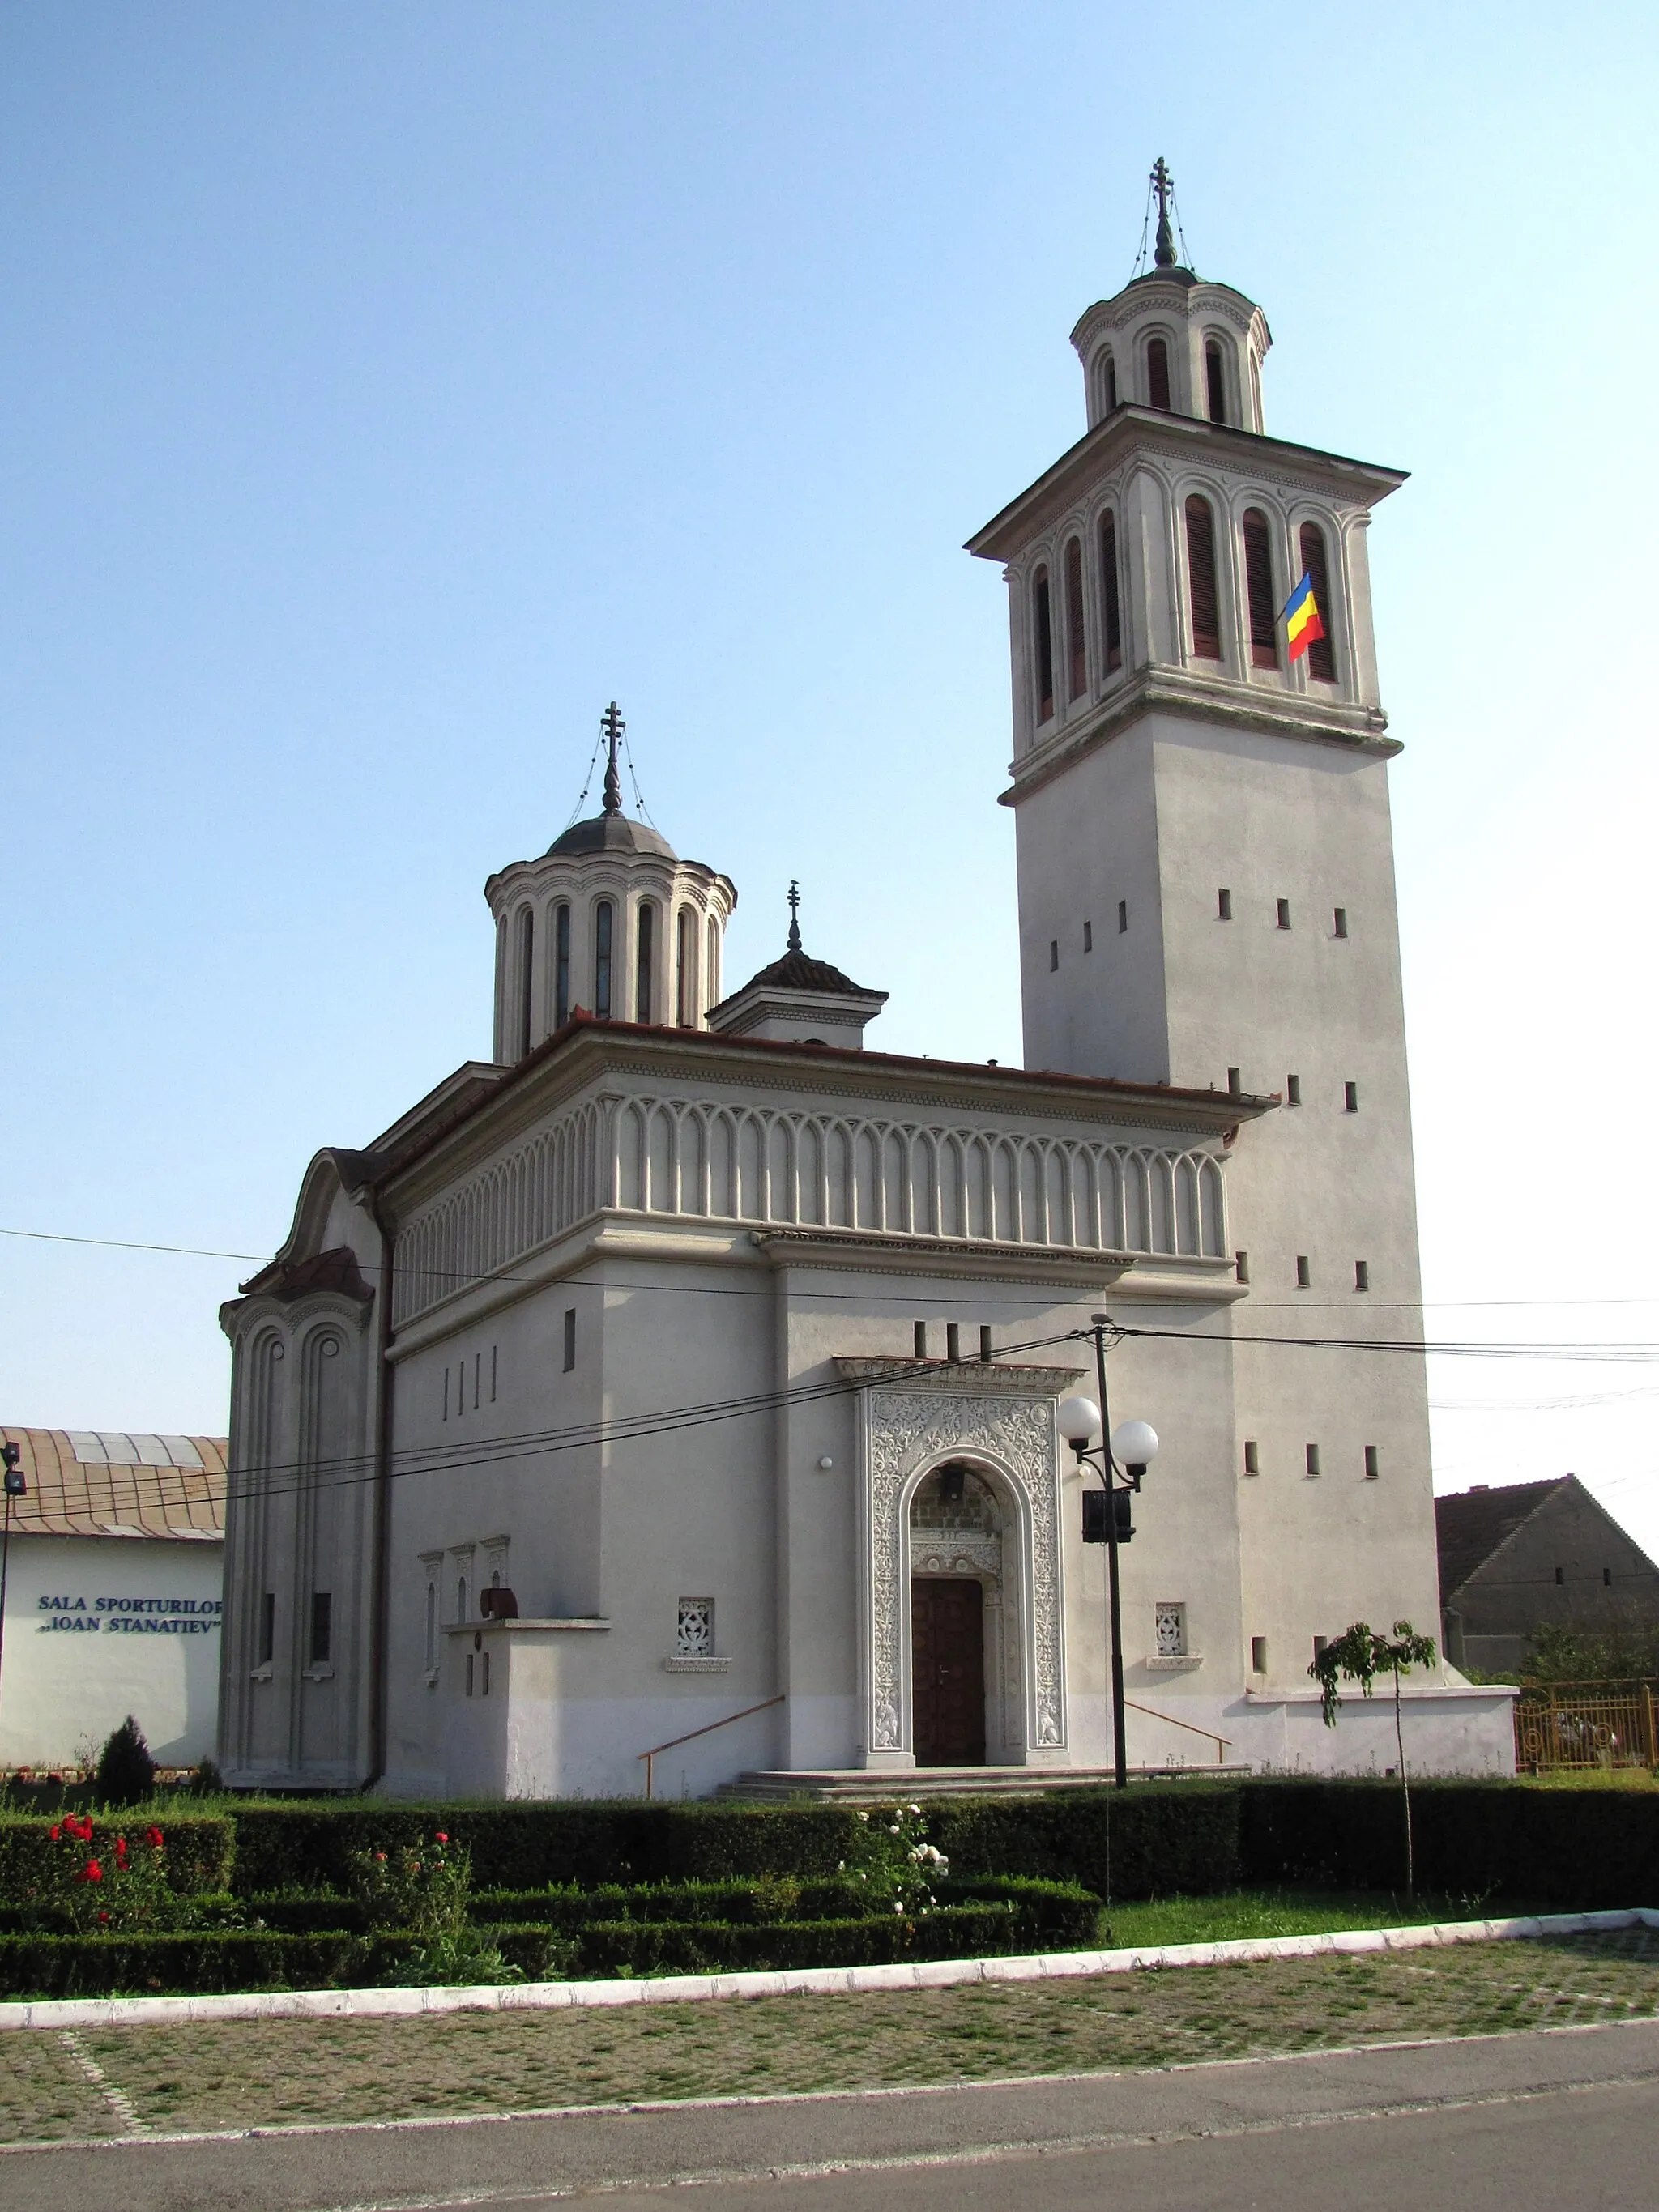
{"points": [[794, 916], [1163, 253], [611, 726]]}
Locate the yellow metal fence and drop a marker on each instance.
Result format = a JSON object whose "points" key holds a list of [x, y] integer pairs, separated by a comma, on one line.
{"points": [[1585, 1725]]}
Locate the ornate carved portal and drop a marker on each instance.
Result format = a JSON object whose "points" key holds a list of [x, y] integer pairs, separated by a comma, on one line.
{"points": [[999, 1428]]}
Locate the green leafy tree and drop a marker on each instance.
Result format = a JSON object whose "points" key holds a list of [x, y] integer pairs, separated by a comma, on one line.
{"points": [[126, 1772], [1359, 1654]]}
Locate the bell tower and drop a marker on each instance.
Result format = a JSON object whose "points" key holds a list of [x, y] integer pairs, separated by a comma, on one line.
{"points": [[1206, 899]]}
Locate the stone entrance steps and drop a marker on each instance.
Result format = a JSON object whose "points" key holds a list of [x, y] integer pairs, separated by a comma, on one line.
{"points": [[856, 1785]]}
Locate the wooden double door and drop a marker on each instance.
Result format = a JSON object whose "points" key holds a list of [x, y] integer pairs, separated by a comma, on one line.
{"points": [[947, 1649]]}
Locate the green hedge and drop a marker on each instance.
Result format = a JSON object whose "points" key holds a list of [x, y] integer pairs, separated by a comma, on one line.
{"points": [[201, 1848], [1579, 1849], [950, 1931], [1161, 1840]]}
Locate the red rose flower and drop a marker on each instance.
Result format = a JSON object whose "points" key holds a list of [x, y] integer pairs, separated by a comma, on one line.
{"points": [[58, 1833], [94, 1872], [104, 1919], [154, 1839]]}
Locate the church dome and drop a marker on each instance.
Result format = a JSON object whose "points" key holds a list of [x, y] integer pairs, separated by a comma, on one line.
{"points": [[610, 833], [799, 971]]}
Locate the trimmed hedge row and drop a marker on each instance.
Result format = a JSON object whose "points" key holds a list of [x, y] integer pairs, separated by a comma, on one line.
{"points": [[1586, 1849], [208, 1963], [1154, 1840], [201, 1848]]}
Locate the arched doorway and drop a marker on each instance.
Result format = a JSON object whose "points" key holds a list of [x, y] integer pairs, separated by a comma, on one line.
{"points": [[956, 1601]]}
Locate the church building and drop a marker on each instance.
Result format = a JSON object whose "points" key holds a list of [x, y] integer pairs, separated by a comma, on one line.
{"points": [[673, 1400]]}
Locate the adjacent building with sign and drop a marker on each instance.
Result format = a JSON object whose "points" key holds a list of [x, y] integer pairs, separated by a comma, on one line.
{"points": [[114, 1574]]}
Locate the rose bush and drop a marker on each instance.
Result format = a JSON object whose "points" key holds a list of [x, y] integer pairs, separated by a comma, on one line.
{"points": [[119, 1884], [893, 1856], [424, 1889]]}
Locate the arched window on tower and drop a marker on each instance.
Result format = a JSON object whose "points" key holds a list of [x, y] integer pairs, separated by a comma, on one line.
{"points": [[645, 960], [711, 974], [526, 974], [1259, 590], [1200, 580], [1111, 606], [683, 928], [560, 965], [1077, 652], [1322, 653], [605, 919], [1158, 373], [1108, 384], [1215, 380], [1042, 644]]}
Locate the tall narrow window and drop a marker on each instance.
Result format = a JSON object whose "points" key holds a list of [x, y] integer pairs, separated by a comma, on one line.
{"points": [[646, 953], [1108, 385], [1215, 380], [604, 920], [1077, 657], [431, 1626], [1201, 578], [1313, 1459], [683, 968], [322, 1608], [711, 974], [267, 1652], [1111, 605], [569, 1338], [1158, 373], [1259, 590], [526, 971], [1322, 653], [1223, 906], [1042, 640], [560, 966], [1373, 1463]]}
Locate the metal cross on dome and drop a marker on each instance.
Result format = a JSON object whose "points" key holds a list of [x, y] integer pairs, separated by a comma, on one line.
{"points": [[611, 726], [1163, 253], [794, 915]]}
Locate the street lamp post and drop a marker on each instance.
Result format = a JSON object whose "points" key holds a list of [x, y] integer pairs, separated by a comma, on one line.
{"points": [[11, 1456], [1121, 1459]]}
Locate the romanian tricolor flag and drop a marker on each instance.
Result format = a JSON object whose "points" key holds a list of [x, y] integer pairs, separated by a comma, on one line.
{"points": [[1303, 623]]}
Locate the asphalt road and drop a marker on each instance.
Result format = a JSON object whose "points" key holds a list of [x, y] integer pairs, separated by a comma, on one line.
{"points": [[1549, 2119]]}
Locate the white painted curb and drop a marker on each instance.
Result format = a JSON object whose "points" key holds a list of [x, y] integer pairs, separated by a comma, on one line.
{"points": [[816, 1981]]}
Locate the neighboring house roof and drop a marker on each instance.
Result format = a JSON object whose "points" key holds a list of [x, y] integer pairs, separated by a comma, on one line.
{"points": [[1471, 1525], [99, 1482]]}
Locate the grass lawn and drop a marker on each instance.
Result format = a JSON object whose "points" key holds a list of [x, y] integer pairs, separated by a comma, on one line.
{"points": [[1242, 1914], [259, 2073]]}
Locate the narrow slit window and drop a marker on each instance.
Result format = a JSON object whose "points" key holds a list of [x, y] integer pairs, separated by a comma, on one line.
{"points": [[267, 1651], [1320, 1644], [1282, 908], [569, 1339], [1122, 917], [470, 1663], [486, 1675], [1054, 954], [1215, 380], [711, 980], [526, 974], [1373, 1463], [1292, 1090], [1108, 385], [1339, 925], [1561, 1575], [645, 960], [322, 1626], [1158, 373], [1322, 653], [1259, 590], [431, 1643], [560, 965], [1088, 937], [1313, 1459], [1223, 906], [1252, 1457], [683, 968], [1042, 643], [1351, 1098], [1258, 1655], [1240, 1266], [1077, 655], [1361, 1274], [1303, 1273], [1111, 607], [605, 917], [1201, 579]]}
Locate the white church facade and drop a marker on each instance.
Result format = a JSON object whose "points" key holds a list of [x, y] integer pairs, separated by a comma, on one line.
{"points": [[685, 1380]]}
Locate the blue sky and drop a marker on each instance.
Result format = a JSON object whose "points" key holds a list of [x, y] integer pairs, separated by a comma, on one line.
{"points": [[389, 387]]}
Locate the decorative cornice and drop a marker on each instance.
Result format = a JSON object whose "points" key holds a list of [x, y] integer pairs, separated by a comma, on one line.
{"points": [[952, 1377], [898, 1252]]}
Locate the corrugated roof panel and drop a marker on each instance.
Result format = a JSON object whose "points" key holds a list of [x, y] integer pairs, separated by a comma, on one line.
{"points": [[88, 1447], [182, 1452]]}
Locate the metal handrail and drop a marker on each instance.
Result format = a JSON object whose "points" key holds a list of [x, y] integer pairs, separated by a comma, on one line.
{"points": [[1223, 1743], [674, 1741]]}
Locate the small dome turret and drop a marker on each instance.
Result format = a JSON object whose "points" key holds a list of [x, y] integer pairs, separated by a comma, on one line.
{"points": [[797, 1000], [608, 923]]}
